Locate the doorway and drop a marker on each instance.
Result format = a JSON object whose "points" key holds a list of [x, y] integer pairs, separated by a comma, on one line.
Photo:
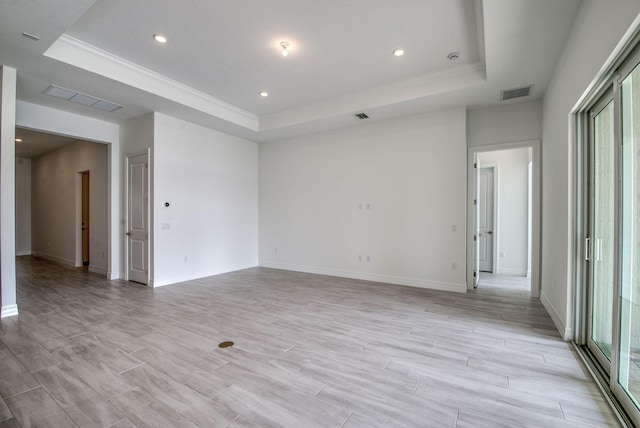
{"points": [[137, 234], [504, 214], [85, 227], [66, 219]]}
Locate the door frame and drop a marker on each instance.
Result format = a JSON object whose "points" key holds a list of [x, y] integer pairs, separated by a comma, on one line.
{"points": [[536, 237], [149, 214]]}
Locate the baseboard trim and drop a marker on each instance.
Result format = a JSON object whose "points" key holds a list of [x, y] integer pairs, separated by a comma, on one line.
{"points": [[565, 332], [23, 253], [512, 271], [9, 311], [389, 279], [99, 270], [55, 259], [154, 283]]}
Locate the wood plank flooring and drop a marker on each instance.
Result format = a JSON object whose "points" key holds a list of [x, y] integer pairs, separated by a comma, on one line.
{"points": [[310, 351]]}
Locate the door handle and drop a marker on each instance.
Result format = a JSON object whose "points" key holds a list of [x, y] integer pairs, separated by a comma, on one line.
{"points": [[489, 232], [128, 233], [587, 249]]}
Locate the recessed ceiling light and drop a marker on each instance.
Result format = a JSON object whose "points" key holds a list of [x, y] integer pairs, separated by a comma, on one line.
{"points": [[285, 47], [453, 56], [398, 52], [264, 94], [18, 140], [160, 38]]}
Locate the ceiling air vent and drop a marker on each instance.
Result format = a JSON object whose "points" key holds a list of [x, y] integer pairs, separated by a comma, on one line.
{"points": [[361, 116], [509, 94], [73, 96]]}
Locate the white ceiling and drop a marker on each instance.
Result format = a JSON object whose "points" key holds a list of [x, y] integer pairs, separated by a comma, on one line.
{"points": [[35, 143], [221, 54]]}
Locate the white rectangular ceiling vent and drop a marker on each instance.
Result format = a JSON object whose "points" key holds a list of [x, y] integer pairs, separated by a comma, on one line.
{"points": [[361, 116], [78, 98], [509, 94]]}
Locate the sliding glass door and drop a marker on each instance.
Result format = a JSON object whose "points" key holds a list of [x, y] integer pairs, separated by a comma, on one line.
{"points": [[612, 231], [629, 373], [600, 245]]}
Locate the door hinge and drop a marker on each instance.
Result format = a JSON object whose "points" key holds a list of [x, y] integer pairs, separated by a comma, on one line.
{"points": [[475, 164], [146, 165], [475, 238], [475, 202], [475, 273]]}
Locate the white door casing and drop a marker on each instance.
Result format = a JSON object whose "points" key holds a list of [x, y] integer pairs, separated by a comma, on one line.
{"points": [[485, 226], [138, 218]]}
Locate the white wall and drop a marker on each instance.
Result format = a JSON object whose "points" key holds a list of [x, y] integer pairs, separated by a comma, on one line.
{"points": [[512, 197], [595, 33], [506, 123], [210, 180], [23, 207], [392, 191], [47, 119], [54, 191]]}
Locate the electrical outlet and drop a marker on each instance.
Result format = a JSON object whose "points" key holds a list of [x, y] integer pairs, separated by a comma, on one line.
{"points": [[454, 228], [454, 266], [501, 253], [275, 250], [368, 259], [359, 257]]}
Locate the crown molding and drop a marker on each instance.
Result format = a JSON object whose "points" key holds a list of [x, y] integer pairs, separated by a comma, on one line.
{"points": [[80, 54], [453, 79]]}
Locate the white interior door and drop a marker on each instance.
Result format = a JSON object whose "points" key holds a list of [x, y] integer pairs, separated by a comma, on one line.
{"points": [[137, 223], [485, 226], [476, 221]]}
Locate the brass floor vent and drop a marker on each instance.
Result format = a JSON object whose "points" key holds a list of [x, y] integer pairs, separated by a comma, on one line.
{"points": [[226, 345]]}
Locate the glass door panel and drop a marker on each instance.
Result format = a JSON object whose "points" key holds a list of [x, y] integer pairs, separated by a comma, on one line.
{"points": [[629, 371], [603, 233]]}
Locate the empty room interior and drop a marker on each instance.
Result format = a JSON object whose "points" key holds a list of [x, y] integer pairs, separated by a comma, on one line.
{"points": [[303, 213]]}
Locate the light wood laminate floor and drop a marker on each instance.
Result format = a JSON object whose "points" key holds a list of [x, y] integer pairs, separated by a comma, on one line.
{"points": [[310, 351]]}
